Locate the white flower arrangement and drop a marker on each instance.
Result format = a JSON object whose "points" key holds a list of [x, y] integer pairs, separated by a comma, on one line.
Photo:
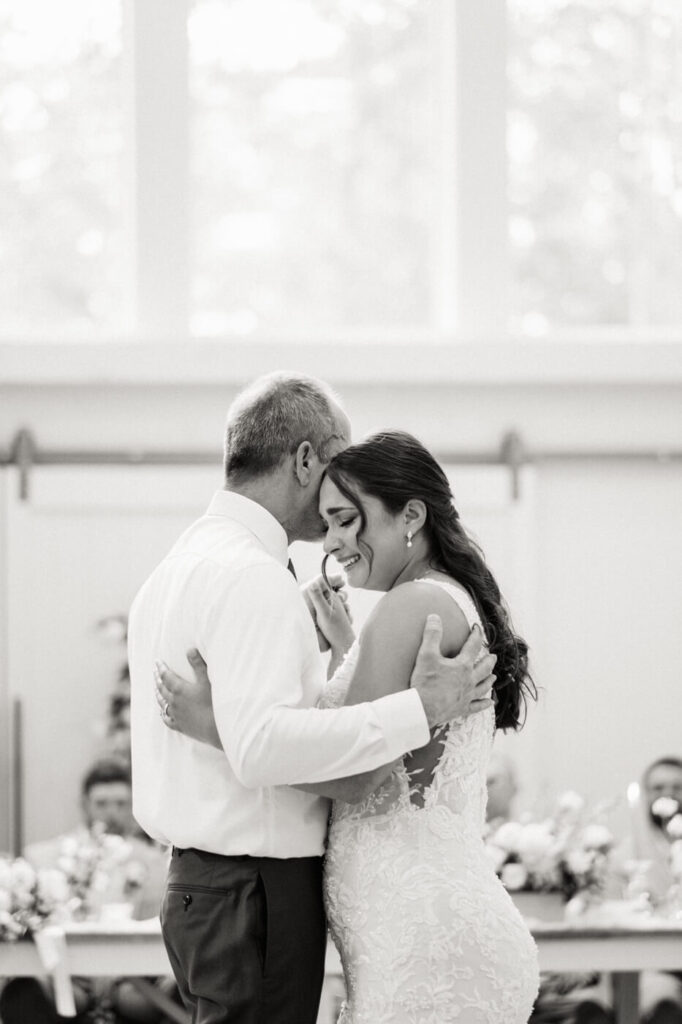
{"points": [[564, 853], [72, 891], [88, 864], [29, 898]]}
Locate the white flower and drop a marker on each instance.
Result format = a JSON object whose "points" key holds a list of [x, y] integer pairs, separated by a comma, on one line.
{"points": [[514, 877], [596, 837], [508, 836], [5, 900], [536, 843], [570, 802], [23, 875], [53, 886], [69, 846], [496, 854], [580, 862], [665, 807], [674, 827], [67, 864]]}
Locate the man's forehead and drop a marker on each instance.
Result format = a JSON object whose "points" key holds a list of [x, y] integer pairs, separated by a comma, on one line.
{"points": [[343, 427]]}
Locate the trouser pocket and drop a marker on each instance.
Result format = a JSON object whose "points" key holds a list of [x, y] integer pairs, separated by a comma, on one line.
{"points": [[216, 940]]}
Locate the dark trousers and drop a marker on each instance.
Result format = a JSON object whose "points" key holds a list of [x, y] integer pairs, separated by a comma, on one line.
{"points": [[246, 937]]}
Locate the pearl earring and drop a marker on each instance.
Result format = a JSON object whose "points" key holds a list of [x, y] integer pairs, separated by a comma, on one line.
{"points": [[409, 538]]}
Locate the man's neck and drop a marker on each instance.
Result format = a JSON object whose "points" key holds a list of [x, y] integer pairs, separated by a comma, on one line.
{"points": [[269, 492]]}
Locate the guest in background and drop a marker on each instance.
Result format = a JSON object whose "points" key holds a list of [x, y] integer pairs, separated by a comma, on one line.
{"points": [[643, 865], [646, 851], [502, 789], [135, 876]]}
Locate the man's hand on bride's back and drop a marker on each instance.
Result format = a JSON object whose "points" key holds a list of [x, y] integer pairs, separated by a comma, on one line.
{"points": [[185, 704], [452, 687]]}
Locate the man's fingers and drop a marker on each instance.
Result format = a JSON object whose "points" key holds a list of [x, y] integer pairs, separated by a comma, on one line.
{"points": [[484, 668], [481, 705], [198, 664], [432, 636], [473, 643], [485, 685]]}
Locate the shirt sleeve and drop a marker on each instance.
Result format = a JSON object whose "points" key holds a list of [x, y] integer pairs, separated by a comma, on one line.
{"points": [[256, 650]]}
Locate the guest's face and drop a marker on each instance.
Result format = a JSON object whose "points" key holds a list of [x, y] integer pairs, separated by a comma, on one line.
{"points": [[501, 790], [664, 780], [372, 557], [110, 804]]}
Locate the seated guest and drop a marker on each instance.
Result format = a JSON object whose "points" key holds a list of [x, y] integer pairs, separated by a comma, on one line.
{"points": [[136, 876], [502, 789], [641, 864], [644, 856]]}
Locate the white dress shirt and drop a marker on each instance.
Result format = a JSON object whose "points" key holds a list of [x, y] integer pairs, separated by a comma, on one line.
{"points": [[224, 588]]}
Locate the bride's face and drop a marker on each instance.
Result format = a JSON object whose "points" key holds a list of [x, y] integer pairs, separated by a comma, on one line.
{"points": [[372, 557]]}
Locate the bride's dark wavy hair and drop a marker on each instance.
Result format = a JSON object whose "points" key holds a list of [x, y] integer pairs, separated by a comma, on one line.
{"points": [[395, 467]]}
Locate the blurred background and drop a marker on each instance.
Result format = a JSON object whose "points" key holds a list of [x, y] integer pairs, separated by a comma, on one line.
{"points": [[466, 215]]}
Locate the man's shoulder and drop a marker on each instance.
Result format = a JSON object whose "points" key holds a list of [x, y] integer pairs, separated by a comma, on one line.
{"points": [[211, 552]]}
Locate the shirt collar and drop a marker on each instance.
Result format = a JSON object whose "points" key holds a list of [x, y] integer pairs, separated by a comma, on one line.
{"points": [[255, 518]]}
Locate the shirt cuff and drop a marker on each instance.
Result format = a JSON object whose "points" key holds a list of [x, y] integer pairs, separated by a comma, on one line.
{"points": [[403, 722]]}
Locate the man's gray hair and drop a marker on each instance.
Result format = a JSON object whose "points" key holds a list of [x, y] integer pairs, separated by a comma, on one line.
{"points": [[270, 418]]}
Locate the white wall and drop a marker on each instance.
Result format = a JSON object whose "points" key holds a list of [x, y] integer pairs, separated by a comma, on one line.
{"points": [[607, 557]]}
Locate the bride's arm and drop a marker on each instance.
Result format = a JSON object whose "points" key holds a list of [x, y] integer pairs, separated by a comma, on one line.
{"points": [[388, 648]]}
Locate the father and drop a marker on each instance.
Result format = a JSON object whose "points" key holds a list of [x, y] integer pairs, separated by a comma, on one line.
{"points": [[242, 916]]}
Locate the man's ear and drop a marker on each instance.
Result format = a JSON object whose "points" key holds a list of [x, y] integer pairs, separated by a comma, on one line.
{"points": [[414, 514], [304, 459]]}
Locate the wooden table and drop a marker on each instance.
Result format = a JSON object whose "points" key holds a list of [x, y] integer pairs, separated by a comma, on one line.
{"points": [[619, 952], [136, 949]]}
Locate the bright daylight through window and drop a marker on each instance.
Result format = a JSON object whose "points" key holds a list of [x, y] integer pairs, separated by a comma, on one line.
{"points": [[318, 170]]}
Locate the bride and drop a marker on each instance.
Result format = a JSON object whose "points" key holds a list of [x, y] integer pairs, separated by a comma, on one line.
{"points": [[426, 932]]}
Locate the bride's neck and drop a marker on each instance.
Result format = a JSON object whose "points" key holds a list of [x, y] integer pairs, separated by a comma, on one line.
{"points": [[420, 565]]}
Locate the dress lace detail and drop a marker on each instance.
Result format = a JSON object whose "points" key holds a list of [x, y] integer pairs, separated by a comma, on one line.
{"points": [[426, 932]]}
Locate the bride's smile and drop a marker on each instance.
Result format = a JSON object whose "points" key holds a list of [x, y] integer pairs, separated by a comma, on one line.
{"points": [[369, 542]]}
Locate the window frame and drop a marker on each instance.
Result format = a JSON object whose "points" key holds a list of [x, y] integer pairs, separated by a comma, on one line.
{"points": [[468, 340]]}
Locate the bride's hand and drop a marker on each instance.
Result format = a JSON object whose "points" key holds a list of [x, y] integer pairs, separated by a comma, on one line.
{"points": [[186, 704], [331, 615], [337, 583]]}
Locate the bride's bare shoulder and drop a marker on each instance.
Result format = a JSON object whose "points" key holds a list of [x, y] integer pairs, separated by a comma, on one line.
{"points": [[402, 612]]}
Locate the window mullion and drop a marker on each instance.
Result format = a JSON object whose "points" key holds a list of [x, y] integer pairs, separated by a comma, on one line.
{"points": [[470, 213], [158, 107]]}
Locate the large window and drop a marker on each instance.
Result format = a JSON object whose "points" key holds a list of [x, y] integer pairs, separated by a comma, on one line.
{"points": [[310, 175], [255, 168], [62, 239], [595, 162]]}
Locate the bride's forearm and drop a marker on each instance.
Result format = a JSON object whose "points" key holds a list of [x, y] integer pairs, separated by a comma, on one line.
{"points": [[337, 656], [354, 788]]}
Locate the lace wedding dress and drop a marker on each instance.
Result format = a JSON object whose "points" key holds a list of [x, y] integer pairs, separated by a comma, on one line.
{"points": [[425, 930]]}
